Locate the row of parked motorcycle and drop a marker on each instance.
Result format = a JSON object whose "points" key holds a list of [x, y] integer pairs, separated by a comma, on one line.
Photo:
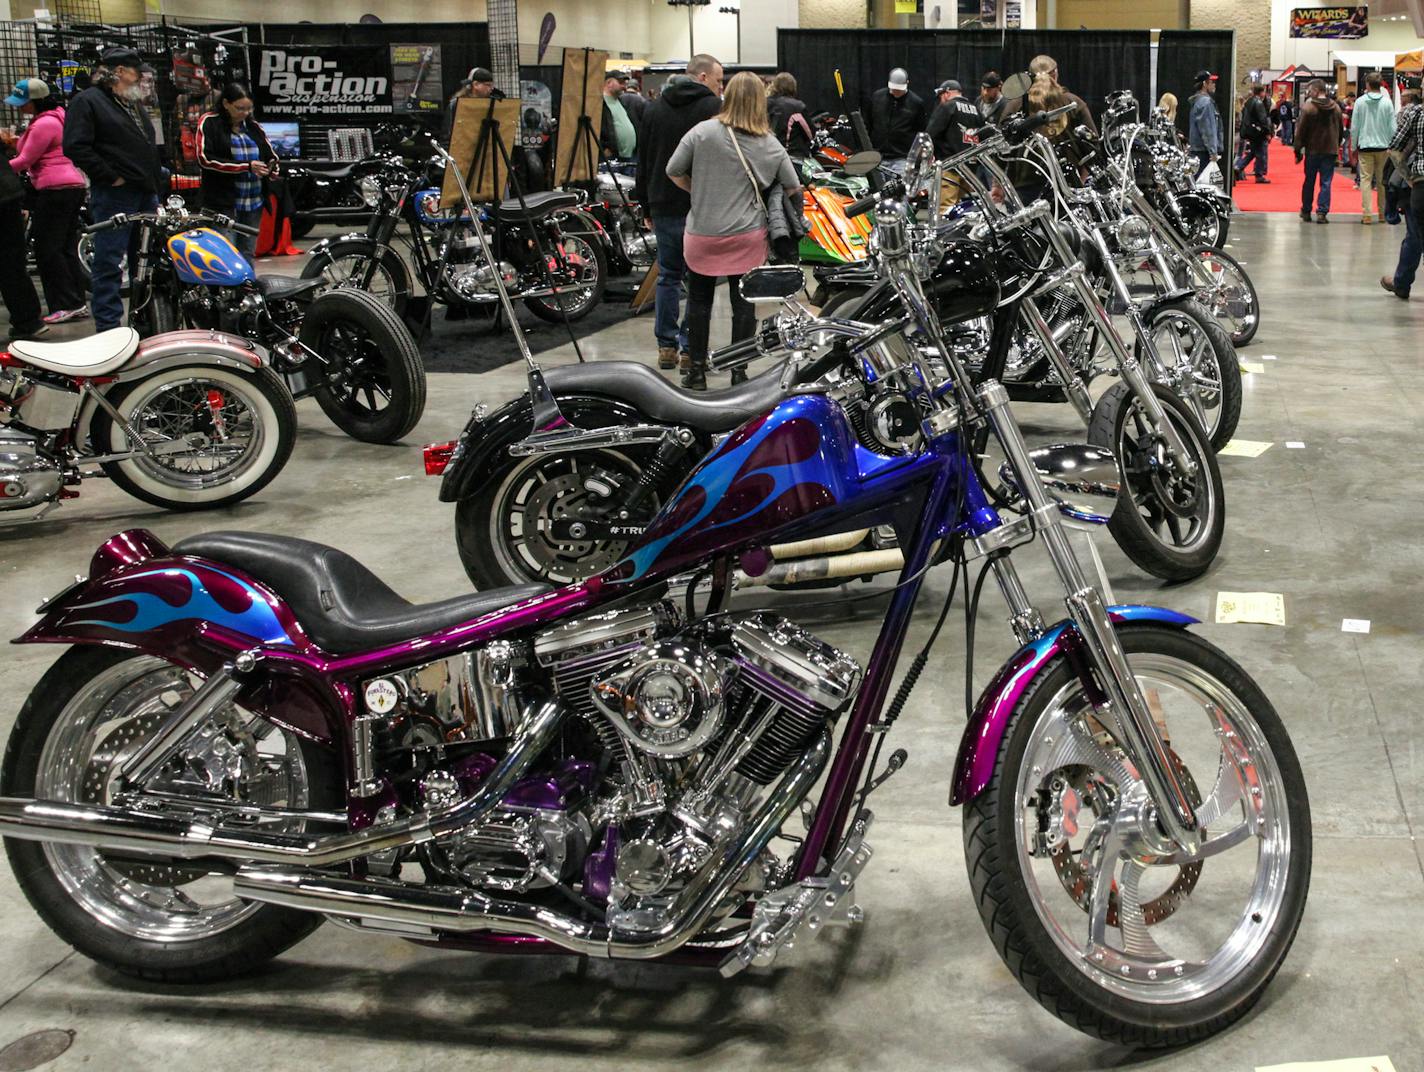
{"points": [[600, 753]]}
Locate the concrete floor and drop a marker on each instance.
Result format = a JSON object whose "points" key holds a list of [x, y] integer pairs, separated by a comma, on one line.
{"points": [[1333, 526]]}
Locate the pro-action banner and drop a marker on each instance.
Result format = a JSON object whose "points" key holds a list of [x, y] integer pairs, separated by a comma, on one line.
{"points": [[312, 80]]}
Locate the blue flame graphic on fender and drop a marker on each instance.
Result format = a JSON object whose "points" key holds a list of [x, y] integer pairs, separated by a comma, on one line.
{"points": [[173, 600], [777, 470], [205, 256]]}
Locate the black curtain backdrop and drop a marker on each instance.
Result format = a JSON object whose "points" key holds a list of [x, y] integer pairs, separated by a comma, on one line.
{"points": [[1180, 55], [1089, 63]]}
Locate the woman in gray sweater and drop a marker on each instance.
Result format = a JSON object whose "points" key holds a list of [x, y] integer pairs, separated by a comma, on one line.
{"points": [[727, 163]]}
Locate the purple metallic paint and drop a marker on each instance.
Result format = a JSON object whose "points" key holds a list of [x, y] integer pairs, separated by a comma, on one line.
{"points": [[598, 866]]}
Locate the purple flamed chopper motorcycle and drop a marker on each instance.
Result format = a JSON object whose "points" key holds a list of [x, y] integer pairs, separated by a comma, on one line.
{"points": [[251, 733]]}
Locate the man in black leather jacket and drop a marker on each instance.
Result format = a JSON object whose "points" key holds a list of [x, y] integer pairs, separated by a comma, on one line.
{"points": [[896, 116], [685, 101]]}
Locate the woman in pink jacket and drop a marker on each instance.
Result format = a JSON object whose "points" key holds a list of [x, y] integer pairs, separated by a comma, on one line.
{"points": [[59, 196]]}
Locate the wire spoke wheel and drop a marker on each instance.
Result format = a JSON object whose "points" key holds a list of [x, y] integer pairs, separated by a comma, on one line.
{"points": [[349, 270], [219, 416], [581, 271]]}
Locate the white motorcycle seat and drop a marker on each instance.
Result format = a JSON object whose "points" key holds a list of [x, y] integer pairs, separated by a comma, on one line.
{"points": [[97, 355]]}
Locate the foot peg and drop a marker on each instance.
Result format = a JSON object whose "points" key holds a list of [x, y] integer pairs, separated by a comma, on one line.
{"points": [[810, 904]]}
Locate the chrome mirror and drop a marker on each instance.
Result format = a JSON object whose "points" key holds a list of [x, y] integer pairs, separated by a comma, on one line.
{"points": [[772, 283], [861, 163]]}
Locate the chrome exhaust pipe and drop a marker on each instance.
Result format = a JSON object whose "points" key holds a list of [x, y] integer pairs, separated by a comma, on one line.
{"points": [[456, 910], [128, 830]]}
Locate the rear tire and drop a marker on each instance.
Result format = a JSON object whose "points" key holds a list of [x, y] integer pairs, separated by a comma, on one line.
{"points": [[240, 939], [257, 413], [579, 304], [372, 384]]}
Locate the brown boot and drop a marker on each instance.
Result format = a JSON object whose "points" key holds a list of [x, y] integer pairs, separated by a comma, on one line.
{"points": [[684, 361], [667, 357]]}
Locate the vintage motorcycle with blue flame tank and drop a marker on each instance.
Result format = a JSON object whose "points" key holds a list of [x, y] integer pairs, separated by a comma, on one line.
{"points": [[347, 350], [252, 733]]}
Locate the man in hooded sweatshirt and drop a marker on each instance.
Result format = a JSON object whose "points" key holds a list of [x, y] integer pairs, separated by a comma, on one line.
{"points": [[1371, 130], [1317, 140], [685, 101]]}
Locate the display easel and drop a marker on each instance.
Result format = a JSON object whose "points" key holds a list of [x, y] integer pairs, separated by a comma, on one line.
{"points": [[578, 149], [480, 167]]}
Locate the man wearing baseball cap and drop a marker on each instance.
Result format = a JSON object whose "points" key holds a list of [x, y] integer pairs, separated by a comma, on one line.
{"points": [[109, 136], [896, 116], [992, 101], [953, 115], [1204, 122]]}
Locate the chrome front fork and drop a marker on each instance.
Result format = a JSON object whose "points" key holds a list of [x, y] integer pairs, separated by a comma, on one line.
{"points": [[1126, 708], [1073, 385]]}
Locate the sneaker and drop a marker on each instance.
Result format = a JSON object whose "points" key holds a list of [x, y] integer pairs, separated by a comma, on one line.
{"points": [[1388, 284], [34, 333], [82, 313], [59, 316], [1262, 180], [1320, 218], [1367, 219], [667, 357]]}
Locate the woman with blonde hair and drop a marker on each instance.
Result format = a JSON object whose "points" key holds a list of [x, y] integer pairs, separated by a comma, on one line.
{"points": [[1168, 105], [728, 164]]}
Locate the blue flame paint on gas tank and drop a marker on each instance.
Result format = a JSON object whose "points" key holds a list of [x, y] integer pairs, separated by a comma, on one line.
{"points": [[205, 256], [797, 462]]}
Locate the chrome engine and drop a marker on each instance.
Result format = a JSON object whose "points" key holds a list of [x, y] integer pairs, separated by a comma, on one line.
{"points": [[27, 477], [468, 272], [679, 733]]}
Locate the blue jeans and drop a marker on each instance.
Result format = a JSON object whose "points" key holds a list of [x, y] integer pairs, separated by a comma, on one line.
{"points": [[1317, 166], [247, 244], [111, 248], [1413, 244], [669, 319]]}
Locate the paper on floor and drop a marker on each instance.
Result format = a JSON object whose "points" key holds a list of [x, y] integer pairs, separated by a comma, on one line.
{"points": [[1252, 366], [1354, 625], [1261, 608], [1244, 448], [1268, 357], [1349, 1064], [1295, 444]]}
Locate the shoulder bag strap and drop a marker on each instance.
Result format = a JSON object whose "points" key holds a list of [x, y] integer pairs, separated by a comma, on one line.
{"points": [[751, 178]]}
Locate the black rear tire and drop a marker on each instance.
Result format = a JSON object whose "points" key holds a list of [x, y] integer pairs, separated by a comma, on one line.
{"points": [[373, 383], [1115, 422], [239, 950]]}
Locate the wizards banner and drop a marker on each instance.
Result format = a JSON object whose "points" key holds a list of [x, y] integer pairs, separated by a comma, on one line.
{"points": [[1332, 22]]}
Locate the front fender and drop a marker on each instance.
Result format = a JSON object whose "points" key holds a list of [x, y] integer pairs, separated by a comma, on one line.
{"points": [[326, 243], [192, 612], [979, 747], [487, 439], [1149, 309]]}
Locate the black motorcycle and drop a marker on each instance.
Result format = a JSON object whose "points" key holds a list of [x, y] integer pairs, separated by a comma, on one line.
{"points": [[346, 349], [548, 250]]}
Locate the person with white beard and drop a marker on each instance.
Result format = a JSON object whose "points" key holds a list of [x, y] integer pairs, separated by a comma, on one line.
{"points": [[109, 136]]}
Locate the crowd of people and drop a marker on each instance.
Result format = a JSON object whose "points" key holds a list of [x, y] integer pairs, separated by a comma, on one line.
{"points": [[714, 172]]}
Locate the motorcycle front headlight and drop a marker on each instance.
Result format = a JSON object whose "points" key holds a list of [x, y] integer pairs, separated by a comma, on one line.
{"points": [[370, 188], [1134, 234]]}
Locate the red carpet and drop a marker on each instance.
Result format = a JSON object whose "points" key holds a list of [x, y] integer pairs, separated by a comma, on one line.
{"points": [[1282, 194]]}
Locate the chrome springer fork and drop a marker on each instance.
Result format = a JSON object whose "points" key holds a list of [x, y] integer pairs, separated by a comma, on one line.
{"points": [[1126, 708]]}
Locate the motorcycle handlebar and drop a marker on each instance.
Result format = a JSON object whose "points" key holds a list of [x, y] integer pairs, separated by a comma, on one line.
{"points": [[739, 353], [861, 206], [123, 219]]}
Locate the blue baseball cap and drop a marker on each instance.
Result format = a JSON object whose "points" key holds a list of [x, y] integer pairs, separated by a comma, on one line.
{"points": [[26, 90]]}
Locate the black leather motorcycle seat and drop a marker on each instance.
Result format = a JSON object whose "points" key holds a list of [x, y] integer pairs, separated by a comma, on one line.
{"points": [[341, 604], [540, 204], [287, 286], [641, 385], [330, 169]]}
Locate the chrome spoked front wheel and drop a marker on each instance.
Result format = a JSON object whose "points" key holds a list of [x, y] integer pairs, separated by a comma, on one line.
{"points": [[1126, 935]]}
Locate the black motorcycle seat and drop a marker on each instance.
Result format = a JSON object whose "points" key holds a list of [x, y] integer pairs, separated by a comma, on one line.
{"points": [[327, 169], [641, 385], [288, 286], [540, 204], [341, 604]]}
